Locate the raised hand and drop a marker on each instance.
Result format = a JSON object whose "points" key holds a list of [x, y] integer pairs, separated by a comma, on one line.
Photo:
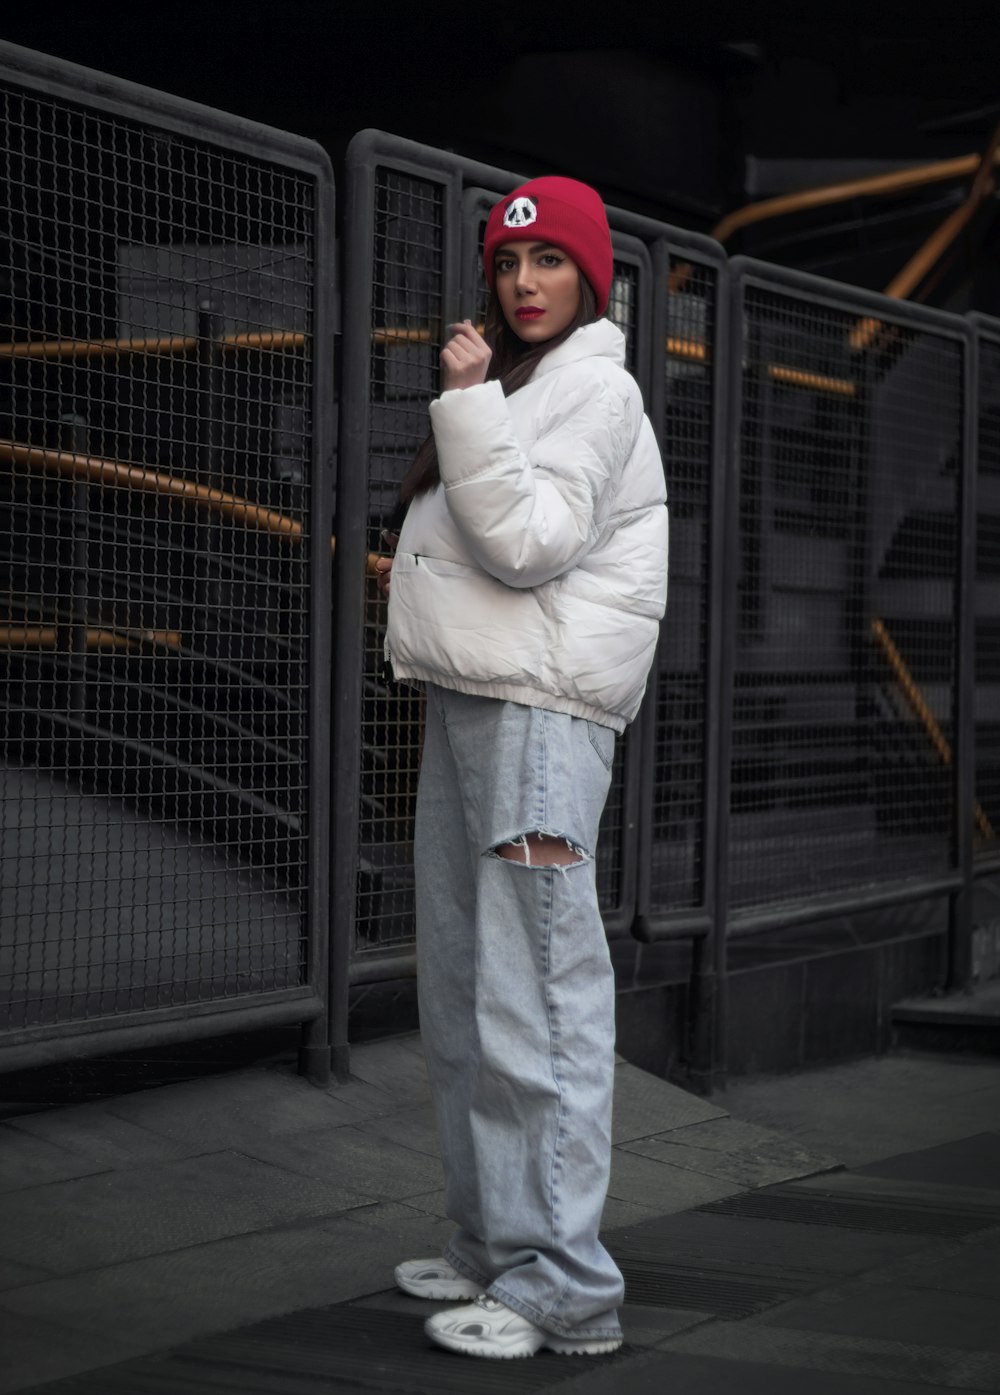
{"points": [[465, 358]]}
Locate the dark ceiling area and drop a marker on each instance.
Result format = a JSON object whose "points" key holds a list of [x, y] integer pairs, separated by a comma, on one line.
{"points": [[666, 108]]}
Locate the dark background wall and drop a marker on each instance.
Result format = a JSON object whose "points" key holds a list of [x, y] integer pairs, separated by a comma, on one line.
{"points": [[681, 114]]}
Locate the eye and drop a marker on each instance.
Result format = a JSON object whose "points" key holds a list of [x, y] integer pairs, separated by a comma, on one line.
{"points": [[504, 264], [550, 259]]}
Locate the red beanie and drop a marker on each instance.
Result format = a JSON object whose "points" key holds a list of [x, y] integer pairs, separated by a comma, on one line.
{"points": [[564, 212]]}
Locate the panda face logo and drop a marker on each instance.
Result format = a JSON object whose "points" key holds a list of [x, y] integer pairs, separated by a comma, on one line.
{"points": [[521, 213]]}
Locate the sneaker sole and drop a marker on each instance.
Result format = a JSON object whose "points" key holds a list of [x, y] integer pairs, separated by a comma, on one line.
{"points": [[547, 1341], [582, 1346]]}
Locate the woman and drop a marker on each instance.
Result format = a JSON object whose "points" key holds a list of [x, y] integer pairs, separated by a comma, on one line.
{"points": [[526, 593]]}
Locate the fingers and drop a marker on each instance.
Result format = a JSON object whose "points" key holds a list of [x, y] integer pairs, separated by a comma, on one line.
{"points": [[466, 356], [383, 574], [466, 330]]}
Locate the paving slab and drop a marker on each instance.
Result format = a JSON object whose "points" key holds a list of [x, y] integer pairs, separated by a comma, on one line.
{"points": [[676, 1374], [777, 1249], [96, 1221], [415, 1233], [224, 1111], [966, 1162], [33, 1350], [867, 1110], [971, 1267], [345, 1349], [411, 1128], [897, 1313], [93, 1132], [924, 1364], [380, 1169], [644, 1105], [661, 1187], [157, 1302], [395, 1068], [746, 1154], [15, 1275], [618, 1213], [430, 1203], [31, 1162]]}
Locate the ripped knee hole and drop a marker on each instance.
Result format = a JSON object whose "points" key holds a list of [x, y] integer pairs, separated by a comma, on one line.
{"points": [[537, 849]]}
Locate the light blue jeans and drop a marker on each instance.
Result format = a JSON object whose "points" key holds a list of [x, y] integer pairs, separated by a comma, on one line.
{"points": [[516, 995]]}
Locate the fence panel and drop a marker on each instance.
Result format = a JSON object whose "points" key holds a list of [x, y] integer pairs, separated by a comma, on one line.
{"points": [[851, 447], [986, 836], [677, 823], [164, 451], [414, 233]]}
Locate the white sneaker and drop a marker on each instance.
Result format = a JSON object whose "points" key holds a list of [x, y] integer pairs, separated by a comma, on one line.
{"points": [[435, 1278], [488, 1327]]}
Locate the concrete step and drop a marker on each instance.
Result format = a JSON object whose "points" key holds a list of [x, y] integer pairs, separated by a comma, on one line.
{"points": [[951, 1022]]}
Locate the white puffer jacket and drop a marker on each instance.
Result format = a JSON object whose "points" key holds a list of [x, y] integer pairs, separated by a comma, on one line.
{"points": [[538, 573]]}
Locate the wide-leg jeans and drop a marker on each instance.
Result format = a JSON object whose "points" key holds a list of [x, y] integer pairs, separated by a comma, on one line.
{"points": [[516, 995]]}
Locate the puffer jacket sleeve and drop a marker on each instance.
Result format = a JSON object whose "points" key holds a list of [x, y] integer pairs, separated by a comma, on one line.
{"points": [[529, 517]]}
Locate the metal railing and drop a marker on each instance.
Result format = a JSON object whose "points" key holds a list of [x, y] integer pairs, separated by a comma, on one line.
{"points": [[819, 732], [802, 749], [165, 439], [986, 603], [849, 520]]}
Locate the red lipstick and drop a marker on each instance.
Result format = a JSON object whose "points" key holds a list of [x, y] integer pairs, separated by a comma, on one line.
{"points": [[529, 312]]}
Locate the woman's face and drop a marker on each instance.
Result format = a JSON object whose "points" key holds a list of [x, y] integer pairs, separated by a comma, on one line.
{"points": [[538, 287]]}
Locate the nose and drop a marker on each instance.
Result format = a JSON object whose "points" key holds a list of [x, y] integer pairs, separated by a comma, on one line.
{"points": [[525, 279]]}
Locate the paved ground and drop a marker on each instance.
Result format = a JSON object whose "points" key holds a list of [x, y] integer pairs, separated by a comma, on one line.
{"points": [[238, 1234]]}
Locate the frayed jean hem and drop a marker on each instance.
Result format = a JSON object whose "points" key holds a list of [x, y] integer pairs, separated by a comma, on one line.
{"points": [[547, 1322]]}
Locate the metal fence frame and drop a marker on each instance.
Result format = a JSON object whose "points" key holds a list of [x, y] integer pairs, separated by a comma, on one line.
{"points": [[466, 184], [986, 329], [105, 95], [650, 247], [956, 883]]}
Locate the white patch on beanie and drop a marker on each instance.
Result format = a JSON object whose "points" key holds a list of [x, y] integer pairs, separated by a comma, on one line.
{"points": [[521, 213]]}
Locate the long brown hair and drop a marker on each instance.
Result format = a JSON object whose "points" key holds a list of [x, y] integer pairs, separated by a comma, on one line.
{"points": [[513, 363]]}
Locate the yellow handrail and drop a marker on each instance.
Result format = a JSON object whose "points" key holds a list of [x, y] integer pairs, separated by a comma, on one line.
{"points": [[817, 382], [160, 344], [46, 637], [918, 705], [938, 243], [871, 186], [97, 470]]}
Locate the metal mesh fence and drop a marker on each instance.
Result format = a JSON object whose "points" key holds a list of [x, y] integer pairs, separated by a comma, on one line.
{"points": [[987, 608], [407, 312], [676, 861], [156, 445], [407, 325], [850, 452], [623, 310]]}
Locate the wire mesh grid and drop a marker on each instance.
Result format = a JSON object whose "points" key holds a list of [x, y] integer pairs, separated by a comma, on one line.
{"points": [[677, 871], [623, 310], [155, 458], [407, 309], [845, 647], [987, 608]]}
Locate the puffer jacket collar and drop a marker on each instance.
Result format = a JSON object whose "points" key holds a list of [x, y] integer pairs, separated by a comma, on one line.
{"points": [[602, 339]]}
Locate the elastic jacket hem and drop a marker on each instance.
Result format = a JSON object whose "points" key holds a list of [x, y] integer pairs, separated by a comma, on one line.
{"points": [[511, 692]]}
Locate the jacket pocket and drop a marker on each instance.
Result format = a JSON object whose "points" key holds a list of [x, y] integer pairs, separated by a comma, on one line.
{"points": [[451, 619]]}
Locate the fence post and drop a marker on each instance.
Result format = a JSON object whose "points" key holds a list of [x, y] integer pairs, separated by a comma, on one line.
{"points": [[964, 723]]}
